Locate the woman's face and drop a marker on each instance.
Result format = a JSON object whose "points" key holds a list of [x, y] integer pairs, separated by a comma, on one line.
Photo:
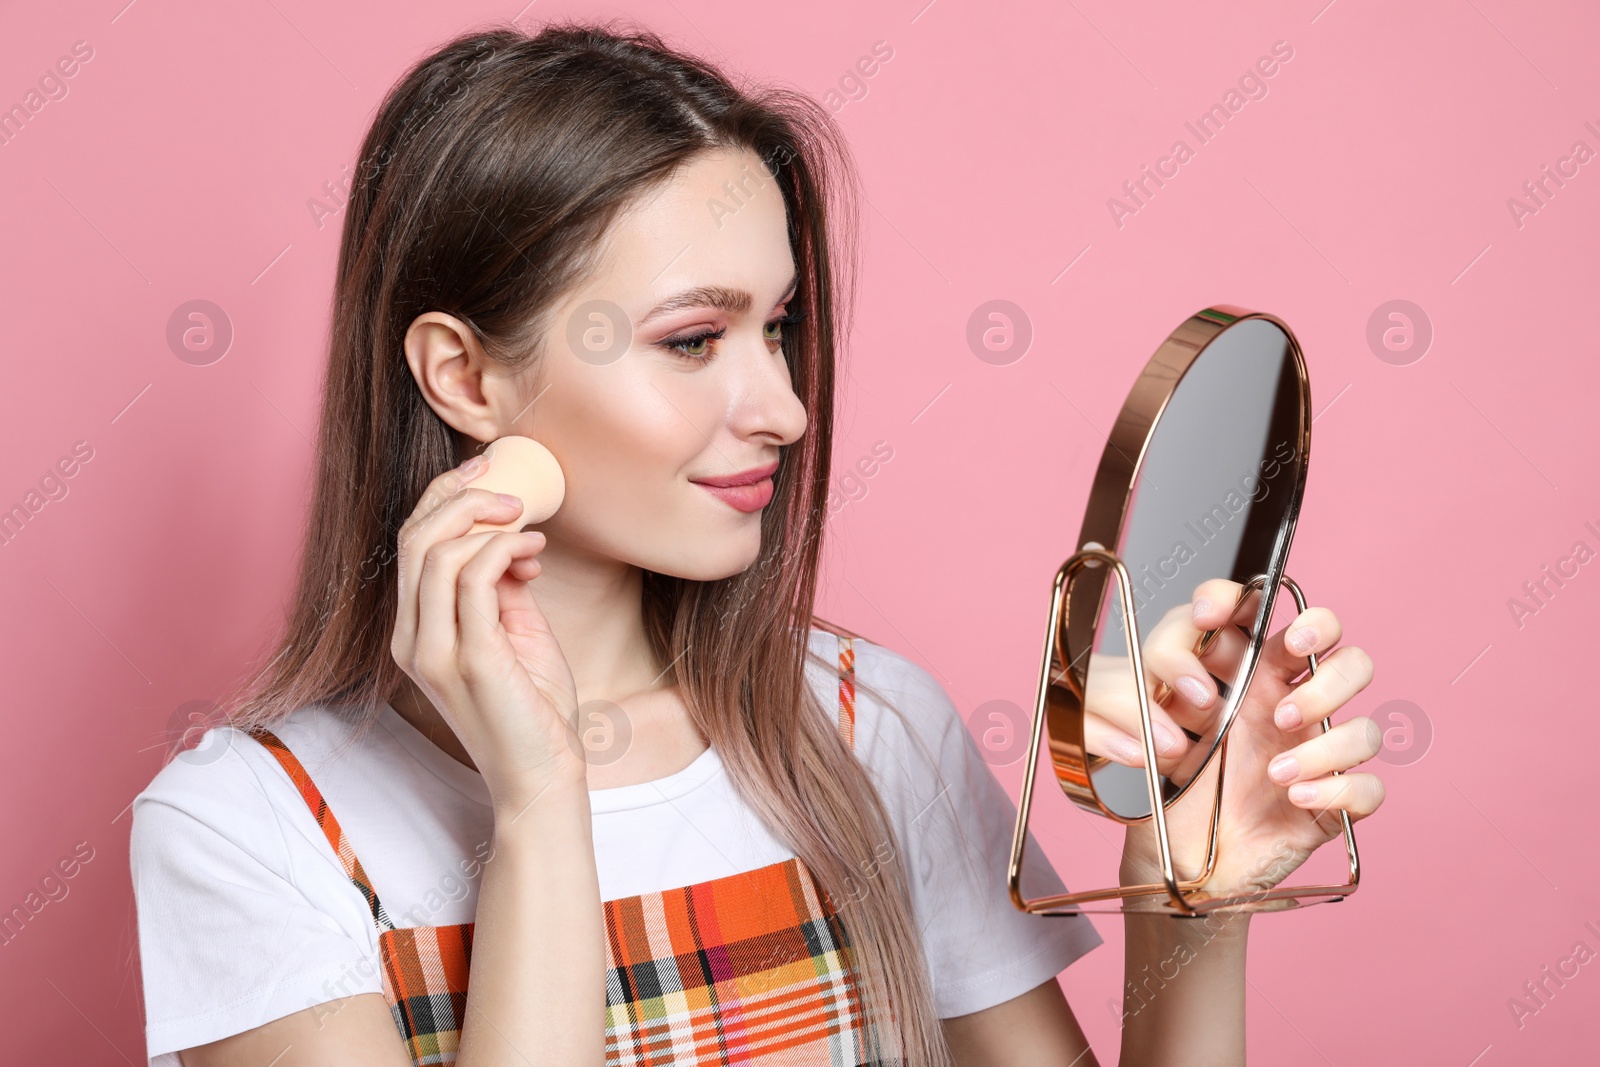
{"points": [[636, 402]]}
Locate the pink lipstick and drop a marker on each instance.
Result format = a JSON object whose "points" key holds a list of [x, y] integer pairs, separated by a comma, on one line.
{"points": [[746, 491]]}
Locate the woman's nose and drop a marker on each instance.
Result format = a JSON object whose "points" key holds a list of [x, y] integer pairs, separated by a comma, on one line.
{"points": [[765, 400]]}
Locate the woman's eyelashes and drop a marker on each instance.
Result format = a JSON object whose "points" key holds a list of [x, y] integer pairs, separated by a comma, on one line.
{"points": [[694, 346]]}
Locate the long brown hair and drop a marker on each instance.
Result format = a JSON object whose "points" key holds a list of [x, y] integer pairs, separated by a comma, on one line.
{"points": [[490, 172]]}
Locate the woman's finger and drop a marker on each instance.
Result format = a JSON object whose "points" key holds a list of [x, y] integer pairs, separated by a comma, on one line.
{"points": [[526, 569], [1221, 665], [1169, 650], [430, 538], [438, 581], [478, 594], [1357, 792], [1194, 701], [1286, 652], [1344, 673], [1215, 603], [1222, 657], [410, 544], [438, 572], [1112, 696], [1103, 737], [1169, 657], [1340, 748]]}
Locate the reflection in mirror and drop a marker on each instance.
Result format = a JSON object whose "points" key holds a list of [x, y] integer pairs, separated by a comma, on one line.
{"points": [[1210, 500]]}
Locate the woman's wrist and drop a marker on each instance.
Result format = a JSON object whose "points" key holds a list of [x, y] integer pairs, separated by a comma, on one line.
{"points": [[520, 814], [1183, 989], [1141, 861], [540, 951], [1237, 872]]}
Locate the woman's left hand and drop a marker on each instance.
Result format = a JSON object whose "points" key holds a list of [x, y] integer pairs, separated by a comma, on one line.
{"points": [[1280, 798]]}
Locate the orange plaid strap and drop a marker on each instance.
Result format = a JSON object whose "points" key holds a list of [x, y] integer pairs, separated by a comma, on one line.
{"points": [[847, 690], [425, 968], [330, 825]]}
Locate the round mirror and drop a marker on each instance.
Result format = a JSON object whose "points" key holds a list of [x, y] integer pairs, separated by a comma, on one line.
{"points": [[1201, 478]]}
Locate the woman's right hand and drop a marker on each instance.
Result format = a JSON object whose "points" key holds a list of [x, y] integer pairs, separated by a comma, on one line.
{"points": [[470, 635]]}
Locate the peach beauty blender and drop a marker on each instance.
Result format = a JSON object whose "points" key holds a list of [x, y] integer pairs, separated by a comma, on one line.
{"points": [[524, 468]]}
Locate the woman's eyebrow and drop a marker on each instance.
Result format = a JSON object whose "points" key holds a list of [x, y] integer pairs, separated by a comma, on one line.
{"points": [[734, 301]]}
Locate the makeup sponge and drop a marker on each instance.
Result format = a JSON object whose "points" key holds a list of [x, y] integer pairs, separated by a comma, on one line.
{"points": [[524, 468]]}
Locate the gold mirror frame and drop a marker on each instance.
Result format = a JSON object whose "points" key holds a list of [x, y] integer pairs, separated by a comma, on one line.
{"points": [[1060, 697]]}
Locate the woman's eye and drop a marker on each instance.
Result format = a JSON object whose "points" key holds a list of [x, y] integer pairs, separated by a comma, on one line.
{"points": [[697, 346], [776, 329], [693, 346]]}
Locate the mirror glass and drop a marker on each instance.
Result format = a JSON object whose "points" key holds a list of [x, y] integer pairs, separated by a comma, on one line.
{"points": [[1210, 500]]}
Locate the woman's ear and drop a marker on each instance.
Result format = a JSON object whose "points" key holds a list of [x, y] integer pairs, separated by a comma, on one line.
{"points": [[450, 369]]}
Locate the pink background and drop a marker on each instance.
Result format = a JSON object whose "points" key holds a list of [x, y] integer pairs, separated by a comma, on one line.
{"points": [[1377, 167]]}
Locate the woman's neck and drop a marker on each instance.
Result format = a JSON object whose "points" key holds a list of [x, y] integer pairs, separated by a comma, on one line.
{"points": [[594, 608]]}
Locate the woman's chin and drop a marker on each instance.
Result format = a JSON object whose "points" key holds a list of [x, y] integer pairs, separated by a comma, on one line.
{"points": [[710, 566]]}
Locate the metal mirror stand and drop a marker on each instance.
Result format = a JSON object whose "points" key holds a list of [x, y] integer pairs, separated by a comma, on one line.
{"points": [[1184, 898]]}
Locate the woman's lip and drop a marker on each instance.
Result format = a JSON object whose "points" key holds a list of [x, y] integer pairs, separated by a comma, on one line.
{"points": [[746, 498], [749, 477]]}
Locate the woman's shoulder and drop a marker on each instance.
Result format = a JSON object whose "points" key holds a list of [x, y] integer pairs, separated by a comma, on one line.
{"points": [[227, 783], [887, 667], [244, 910], [903, 710]]}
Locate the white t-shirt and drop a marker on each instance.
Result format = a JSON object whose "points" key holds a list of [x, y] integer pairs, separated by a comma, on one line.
{"points": [[245, 914]]}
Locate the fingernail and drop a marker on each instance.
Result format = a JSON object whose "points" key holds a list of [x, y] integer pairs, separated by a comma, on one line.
{"points": [[1288, 717], [507, 498], [1194, 691], [1303, 793], [1283, 768], [471, 465], [1125, 750], [1303, 639], [1167, 742], [1201, 607]]}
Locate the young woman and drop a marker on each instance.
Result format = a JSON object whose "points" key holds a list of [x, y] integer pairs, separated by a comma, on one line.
{"points": [[612, 775]]}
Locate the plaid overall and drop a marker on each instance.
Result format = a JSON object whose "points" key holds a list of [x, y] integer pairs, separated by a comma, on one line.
{"points": [[751, 968]]}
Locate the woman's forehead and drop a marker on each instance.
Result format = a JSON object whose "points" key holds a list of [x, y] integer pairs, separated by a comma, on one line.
{"points": [[719, 223]]}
